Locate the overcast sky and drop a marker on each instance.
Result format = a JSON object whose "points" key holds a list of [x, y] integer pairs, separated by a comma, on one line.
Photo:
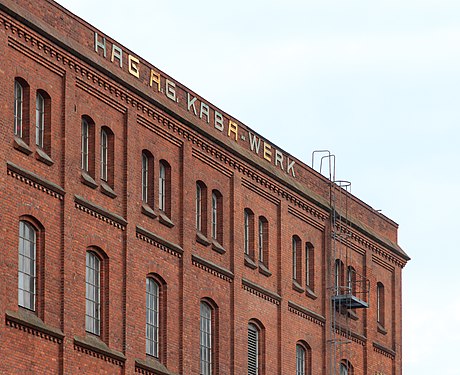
{"points": [[375, 82]]}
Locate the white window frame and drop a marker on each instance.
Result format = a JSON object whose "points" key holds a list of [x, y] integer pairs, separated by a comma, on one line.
{"points": [[214, 215], [18, 108], [198, 206], [39, 120], [104, 155], [145, 178], [206, 364], [162, 187], [27, 265], [93, 294], [261, 240], [294, 257], [301, 356], [85, 145], [246, 232], [152, 322]]}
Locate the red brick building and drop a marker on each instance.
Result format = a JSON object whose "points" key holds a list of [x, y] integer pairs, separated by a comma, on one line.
{"points": [[144, 230]]}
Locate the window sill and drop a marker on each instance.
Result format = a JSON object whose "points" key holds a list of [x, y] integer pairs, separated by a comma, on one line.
{"points": [[42, 156], [107, 190], [248, 262], [201, 238], [216, 246], [88, 180], [20, 145], [381, 329], [96, 345], [148, 211], [152, 365], [264, 270], [165, 220], [297, 287], [29, 322], [310, 293]]}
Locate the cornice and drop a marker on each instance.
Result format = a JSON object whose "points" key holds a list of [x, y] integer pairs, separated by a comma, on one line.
{"points": [[28, 322], [378, 348], [212, 268], [307, 314], [100, 213], [35, 181], [350, 335], [261, 292], [97, 348], [160, 242]]}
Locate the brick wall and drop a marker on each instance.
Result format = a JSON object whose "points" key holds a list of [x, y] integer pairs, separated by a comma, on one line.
{"points": [[75, 212]]}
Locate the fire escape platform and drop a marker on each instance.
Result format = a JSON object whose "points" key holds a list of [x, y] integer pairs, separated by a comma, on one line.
{"points": [[350, 301]]}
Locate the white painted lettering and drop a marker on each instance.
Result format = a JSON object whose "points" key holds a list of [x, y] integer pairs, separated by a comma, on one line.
{"points": [[204, 110], [254, 142], [218, 121], [99, 44], [279, 159], [171, 90], [117, 53], [191, 103], [290, 167]]}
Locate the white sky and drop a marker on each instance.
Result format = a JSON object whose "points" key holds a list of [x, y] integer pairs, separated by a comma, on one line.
{"points": [[375, 82]]}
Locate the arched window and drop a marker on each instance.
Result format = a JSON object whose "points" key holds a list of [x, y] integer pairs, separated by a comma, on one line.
{"points": [[43, 121], [263, 240], [249, 233], [216, 216], [162, 188], [27, 265], [339, 277], [296, 259], [309, 266], [40, 120], [18, 108], [351, 280], [21, 109], [200, 207], [152, 317], [255, 349], [346, 368], [107, 156], [381, 304], [87, 145], [206, 339], [93, 293], [147, 178], [301, 360]]}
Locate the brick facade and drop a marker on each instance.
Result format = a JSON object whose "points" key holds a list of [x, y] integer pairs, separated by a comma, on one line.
{"points": [[47, 49]]}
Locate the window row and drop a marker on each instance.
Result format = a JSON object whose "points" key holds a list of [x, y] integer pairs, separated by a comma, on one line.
{"points": [[303, 265], [88, 150], [250, 243], [22, 127], [216, 212], [97, 284], [149, 189]]}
